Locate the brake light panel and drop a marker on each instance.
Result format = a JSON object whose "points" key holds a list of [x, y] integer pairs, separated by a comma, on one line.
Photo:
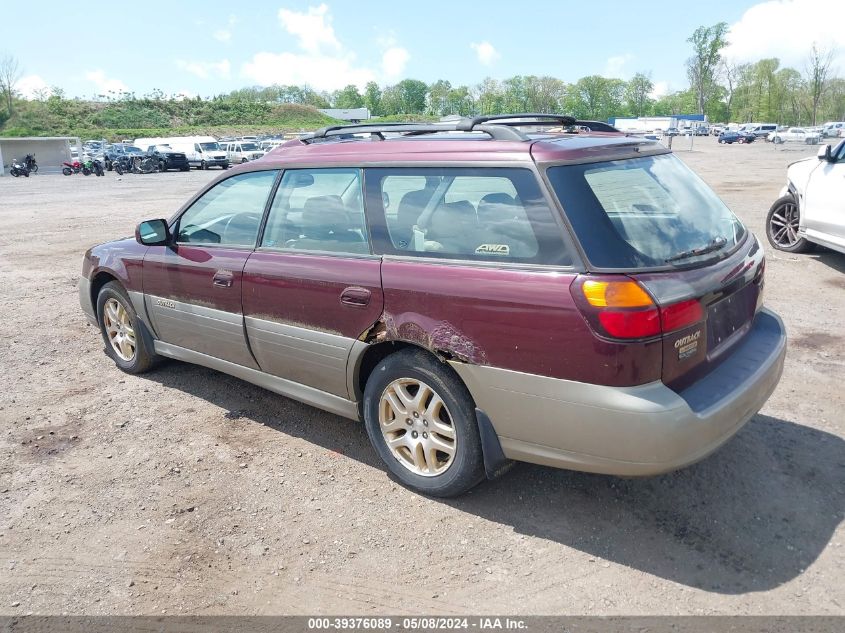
{"points": [[620, 308]]}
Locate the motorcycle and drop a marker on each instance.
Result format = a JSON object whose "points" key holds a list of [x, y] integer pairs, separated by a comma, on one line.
{"points": [[72, 168], [96, 167], [19, 169], [30, 163]]}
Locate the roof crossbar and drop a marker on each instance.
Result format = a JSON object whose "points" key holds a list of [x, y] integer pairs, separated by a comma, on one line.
{"points": [[533, 118], [379, 129], [500, 127]]}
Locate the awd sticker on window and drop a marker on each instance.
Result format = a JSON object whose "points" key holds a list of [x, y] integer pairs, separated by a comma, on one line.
{"points": [[493, 249], [687, 345]]}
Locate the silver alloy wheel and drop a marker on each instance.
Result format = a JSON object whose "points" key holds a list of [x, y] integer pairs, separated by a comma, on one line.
{"points": [[783, 226], [417, 427], [119, 329]]}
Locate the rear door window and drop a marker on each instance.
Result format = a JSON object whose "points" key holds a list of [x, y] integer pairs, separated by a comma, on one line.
{"points": [[480, 214]]}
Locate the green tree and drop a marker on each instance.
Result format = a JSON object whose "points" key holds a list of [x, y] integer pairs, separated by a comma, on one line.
{"points": [[372, 98], [438, 98], [817, 71], [349, 97], [707, 42], [637, 92], [10, 73], [412, 93]]}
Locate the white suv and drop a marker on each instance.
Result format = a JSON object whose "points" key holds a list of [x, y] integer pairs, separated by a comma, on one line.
{"points": [[810, 209], [798, 134]]}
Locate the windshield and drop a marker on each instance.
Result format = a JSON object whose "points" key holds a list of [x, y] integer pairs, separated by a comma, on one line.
{"points": [[131, 149], [249, 147], [212, 147], [644, 213]]}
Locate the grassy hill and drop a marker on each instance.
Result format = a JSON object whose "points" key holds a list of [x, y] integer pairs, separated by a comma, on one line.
{"points": [[132, 118]]}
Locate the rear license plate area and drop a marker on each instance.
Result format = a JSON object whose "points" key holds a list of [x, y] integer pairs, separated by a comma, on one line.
{"points": [[729, 318]]}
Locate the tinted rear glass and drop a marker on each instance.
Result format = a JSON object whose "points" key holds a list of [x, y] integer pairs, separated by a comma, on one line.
{"points": [[644, 213]]}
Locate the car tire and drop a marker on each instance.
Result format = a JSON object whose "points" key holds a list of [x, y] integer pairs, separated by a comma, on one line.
{"points": [[443, 416], [121, 330], [203, 165], [244, 160], [186, 168], [782, 226], [162, 166]]}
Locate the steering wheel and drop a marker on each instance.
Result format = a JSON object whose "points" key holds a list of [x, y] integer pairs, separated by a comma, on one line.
{"points": [[252, 219]]}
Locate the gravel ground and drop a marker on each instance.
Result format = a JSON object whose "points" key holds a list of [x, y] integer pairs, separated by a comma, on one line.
{"points": [[187, 491]]}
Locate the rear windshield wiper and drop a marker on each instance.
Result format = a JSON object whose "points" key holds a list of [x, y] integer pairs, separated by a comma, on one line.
{"points": [[714, 245]]}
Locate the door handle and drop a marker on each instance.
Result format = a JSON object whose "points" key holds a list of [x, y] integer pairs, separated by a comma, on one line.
{"points": [[355, 296], [222, 279]]}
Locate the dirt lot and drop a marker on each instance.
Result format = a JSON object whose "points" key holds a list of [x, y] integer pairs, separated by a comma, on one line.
{"points": [[187, 491]]}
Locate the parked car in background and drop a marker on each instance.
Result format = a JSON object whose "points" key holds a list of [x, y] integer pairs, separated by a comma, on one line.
{"points": [[796, 135], [427, 285], [242, 151], [168, 158], [833, 129], [810, 207], [702, 130], [762, 130], [671, 131], [202, 152], [117, 150], [736, 137], [716, 130]]}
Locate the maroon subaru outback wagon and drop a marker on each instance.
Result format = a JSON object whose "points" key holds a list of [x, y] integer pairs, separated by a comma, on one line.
{"points": [[476, 292]]}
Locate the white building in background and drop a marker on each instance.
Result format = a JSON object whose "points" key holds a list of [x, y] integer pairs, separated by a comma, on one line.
{"points": [[353, 115], [50, 151], [652, 123]]}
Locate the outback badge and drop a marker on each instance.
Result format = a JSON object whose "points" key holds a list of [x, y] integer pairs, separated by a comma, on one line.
{"points": [[687, 345]]}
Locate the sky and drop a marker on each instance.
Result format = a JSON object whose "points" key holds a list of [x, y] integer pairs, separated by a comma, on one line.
{"points": [[210, 47]]}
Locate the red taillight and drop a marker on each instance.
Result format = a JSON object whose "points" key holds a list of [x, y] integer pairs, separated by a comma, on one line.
{"points": [[680, 315], [620, 308], [631, 323]]}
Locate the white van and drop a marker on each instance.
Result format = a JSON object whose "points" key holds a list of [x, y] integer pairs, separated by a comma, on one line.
{"points": [[202, 152], [243, 151], [762, 130]]}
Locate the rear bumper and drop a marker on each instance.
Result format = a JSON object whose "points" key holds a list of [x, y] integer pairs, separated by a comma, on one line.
{"points": [[642, 430]]}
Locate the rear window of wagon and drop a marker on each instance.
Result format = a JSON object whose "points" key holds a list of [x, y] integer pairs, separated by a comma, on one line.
{"points": [[643, 212]]}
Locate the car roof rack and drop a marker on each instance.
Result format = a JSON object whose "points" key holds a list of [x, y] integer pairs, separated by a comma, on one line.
{"points": [[500, 127], [533, 118], [379, 130]]}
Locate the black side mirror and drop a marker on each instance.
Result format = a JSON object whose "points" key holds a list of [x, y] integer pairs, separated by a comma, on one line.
{"points": [[153, 233]]}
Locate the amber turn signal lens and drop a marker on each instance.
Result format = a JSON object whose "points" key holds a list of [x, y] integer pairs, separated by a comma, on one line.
{"points": [[616, 294]]}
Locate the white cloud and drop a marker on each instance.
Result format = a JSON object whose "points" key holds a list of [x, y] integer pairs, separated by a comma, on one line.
{"points": [[31, 85], [661, 88], [393, 61], [323, 62], [204, 70], [485, 51], [786, 29], [615, 66], [321, 72], [105, 84], [225, 34], [313, 29]]}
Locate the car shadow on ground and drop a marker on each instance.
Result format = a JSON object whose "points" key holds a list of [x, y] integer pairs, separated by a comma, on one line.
{"points": [[749, 518], [834, 260]]}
